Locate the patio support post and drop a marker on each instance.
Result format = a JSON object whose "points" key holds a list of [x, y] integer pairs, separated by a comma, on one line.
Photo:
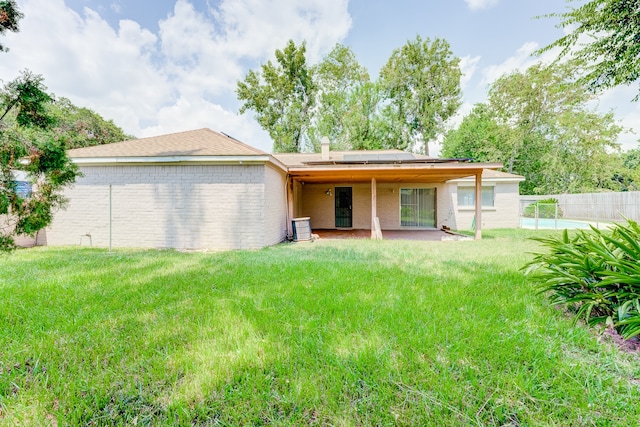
{"points": [[374, 208], [479, 206], [289, 206]]}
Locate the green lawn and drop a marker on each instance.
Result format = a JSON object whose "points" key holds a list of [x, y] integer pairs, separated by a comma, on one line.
{"points": [[326, 333]]}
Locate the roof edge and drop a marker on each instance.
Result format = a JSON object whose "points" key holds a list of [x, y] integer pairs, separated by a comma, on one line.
{"points": [[172, 159]]}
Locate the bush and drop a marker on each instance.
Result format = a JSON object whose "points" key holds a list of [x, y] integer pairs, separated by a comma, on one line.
{"points": [[595, 274], [546, 209]]}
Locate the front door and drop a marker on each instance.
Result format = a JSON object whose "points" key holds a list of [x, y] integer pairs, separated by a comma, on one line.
{"points": [[343, 207]]}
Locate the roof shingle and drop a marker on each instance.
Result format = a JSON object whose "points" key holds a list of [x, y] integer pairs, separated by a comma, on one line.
{"points": [[201, 142]]}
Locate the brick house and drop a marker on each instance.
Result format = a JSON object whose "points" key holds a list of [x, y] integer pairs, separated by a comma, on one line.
{"points": [[205, 190]]}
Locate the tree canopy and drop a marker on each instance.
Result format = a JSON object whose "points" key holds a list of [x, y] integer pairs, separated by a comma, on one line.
{"points": [[417, 91], [343, 93], [421, 81], [604, 34], [28, 146], [538, 125], [82, 127], [282, 96], [10, 16]]}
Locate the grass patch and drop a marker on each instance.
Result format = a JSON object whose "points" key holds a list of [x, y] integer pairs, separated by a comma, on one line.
{"points": [[325, 333]]}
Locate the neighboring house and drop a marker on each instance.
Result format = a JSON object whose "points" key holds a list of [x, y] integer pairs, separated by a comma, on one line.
{"points": [[205, 190]]}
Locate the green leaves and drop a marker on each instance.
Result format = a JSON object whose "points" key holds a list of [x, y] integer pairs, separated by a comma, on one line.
{"points": [[282, 96], [422, 83], [596, 274], [10, 15], [612, 29], [418, 90], [28, 146], [537, 124], [27, 94]]}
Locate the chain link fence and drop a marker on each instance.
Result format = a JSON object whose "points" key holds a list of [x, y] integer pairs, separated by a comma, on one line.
{"points": [[578, 210]]}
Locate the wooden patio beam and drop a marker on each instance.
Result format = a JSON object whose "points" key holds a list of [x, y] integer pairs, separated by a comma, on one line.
{"points": [[478, 235], [374, 208]]}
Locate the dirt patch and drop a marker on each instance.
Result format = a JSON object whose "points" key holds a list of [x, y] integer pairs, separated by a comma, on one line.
{"points": [[631, 345]]}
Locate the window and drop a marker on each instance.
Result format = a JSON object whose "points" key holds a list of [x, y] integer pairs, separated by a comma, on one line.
{"points": [[23, 189], [418, 207], [467, 196]]}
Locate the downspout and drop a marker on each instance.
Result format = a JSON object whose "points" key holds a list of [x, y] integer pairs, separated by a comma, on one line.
{"points": [[288, 201]]}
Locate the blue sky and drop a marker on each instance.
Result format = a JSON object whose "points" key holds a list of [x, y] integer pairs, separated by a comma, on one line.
{"points": [[159, 66]]}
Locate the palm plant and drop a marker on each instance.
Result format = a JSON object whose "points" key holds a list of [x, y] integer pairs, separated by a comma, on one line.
{"points": [[595, 274]]}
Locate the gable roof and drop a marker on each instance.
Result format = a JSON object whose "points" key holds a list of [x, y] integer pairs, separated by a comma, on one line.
{"points": [[207, 146], [200, 142]]}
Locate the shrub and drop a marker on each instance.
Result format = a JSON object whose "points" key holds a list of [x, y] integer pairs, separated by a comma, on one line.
{"points": [[546, 209], [595, 274]]}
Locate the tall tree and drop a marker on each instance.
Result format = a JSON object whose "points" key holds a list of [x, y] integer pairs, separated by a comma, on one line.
{"points": [[626, 172], [554, 135], [479, 137], [10, 15], [26, 146], [282, 96], [82, 127], [538, 125], [604, 34], [346, 100], [421, 81]]}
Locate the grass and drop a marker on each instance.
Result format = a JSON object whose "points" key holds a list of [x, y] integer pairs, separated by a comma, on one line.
{"points": [[327, 333]]}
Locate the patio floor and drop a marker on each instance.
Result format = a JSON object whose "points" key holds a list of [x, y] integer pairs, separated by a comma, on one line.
{"points": [[424, 235]]}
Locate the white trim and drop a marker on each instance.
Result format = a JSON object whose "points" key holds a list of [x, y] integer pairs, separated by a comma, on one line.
{"points": [[172, 159], [488, 181], [473, 209]]}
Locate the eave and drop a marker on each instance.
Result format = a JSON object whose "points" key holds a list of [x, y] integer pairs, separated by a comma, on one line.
{"points": [[431, 172]]}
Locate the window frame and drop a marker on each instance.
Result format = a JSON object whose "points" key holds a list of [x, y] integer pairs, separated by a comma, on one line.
{"points": [[432, 223], [472, 196]]}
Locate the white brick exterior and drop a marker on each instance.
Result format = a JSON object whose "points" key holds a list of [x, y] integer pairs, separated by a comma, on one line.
{"points": [[503, 214], [320, 207], [175, 206]]}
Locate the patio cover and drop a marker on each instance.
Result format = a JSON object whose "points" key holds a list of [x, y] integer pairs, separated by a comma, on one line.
{"points": [[343, 167]]}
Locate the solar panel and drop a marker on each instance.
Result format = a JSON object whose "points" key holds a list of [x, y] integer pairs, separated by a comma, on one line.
{"points": [[378, 157]]}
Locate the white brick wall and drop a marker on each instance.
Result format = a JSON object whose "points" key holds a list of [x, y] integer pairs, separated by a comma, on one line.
{"points": [[320, 207], [188, 207], [504, 214], [275, 206]]}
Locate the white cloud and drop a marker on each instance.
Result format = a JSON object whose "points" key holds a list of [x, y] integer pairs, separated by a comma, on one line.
{"points": [[520, 61], [254, 27], [468, 66], [181, 78], [480, 4]]}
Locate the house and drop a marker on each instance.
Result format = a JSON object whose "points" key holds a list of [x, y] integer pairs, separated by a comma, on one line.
{"points": [[205, 190]]}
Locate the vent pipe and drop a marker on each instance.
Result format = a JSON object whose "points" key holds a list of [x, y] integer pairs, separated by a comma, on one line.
{"points": [[324, 143]]}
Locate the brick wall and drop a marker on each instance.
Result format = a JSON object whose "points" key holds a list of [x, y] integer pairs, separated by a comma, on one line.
{"points": [[321, 208], [188, 207], [275, 206], [504, 214]]}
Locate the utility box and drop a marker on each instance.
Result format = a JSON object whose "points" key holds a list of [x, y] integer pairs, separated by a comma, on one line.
{"points": [[301, 229]]}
